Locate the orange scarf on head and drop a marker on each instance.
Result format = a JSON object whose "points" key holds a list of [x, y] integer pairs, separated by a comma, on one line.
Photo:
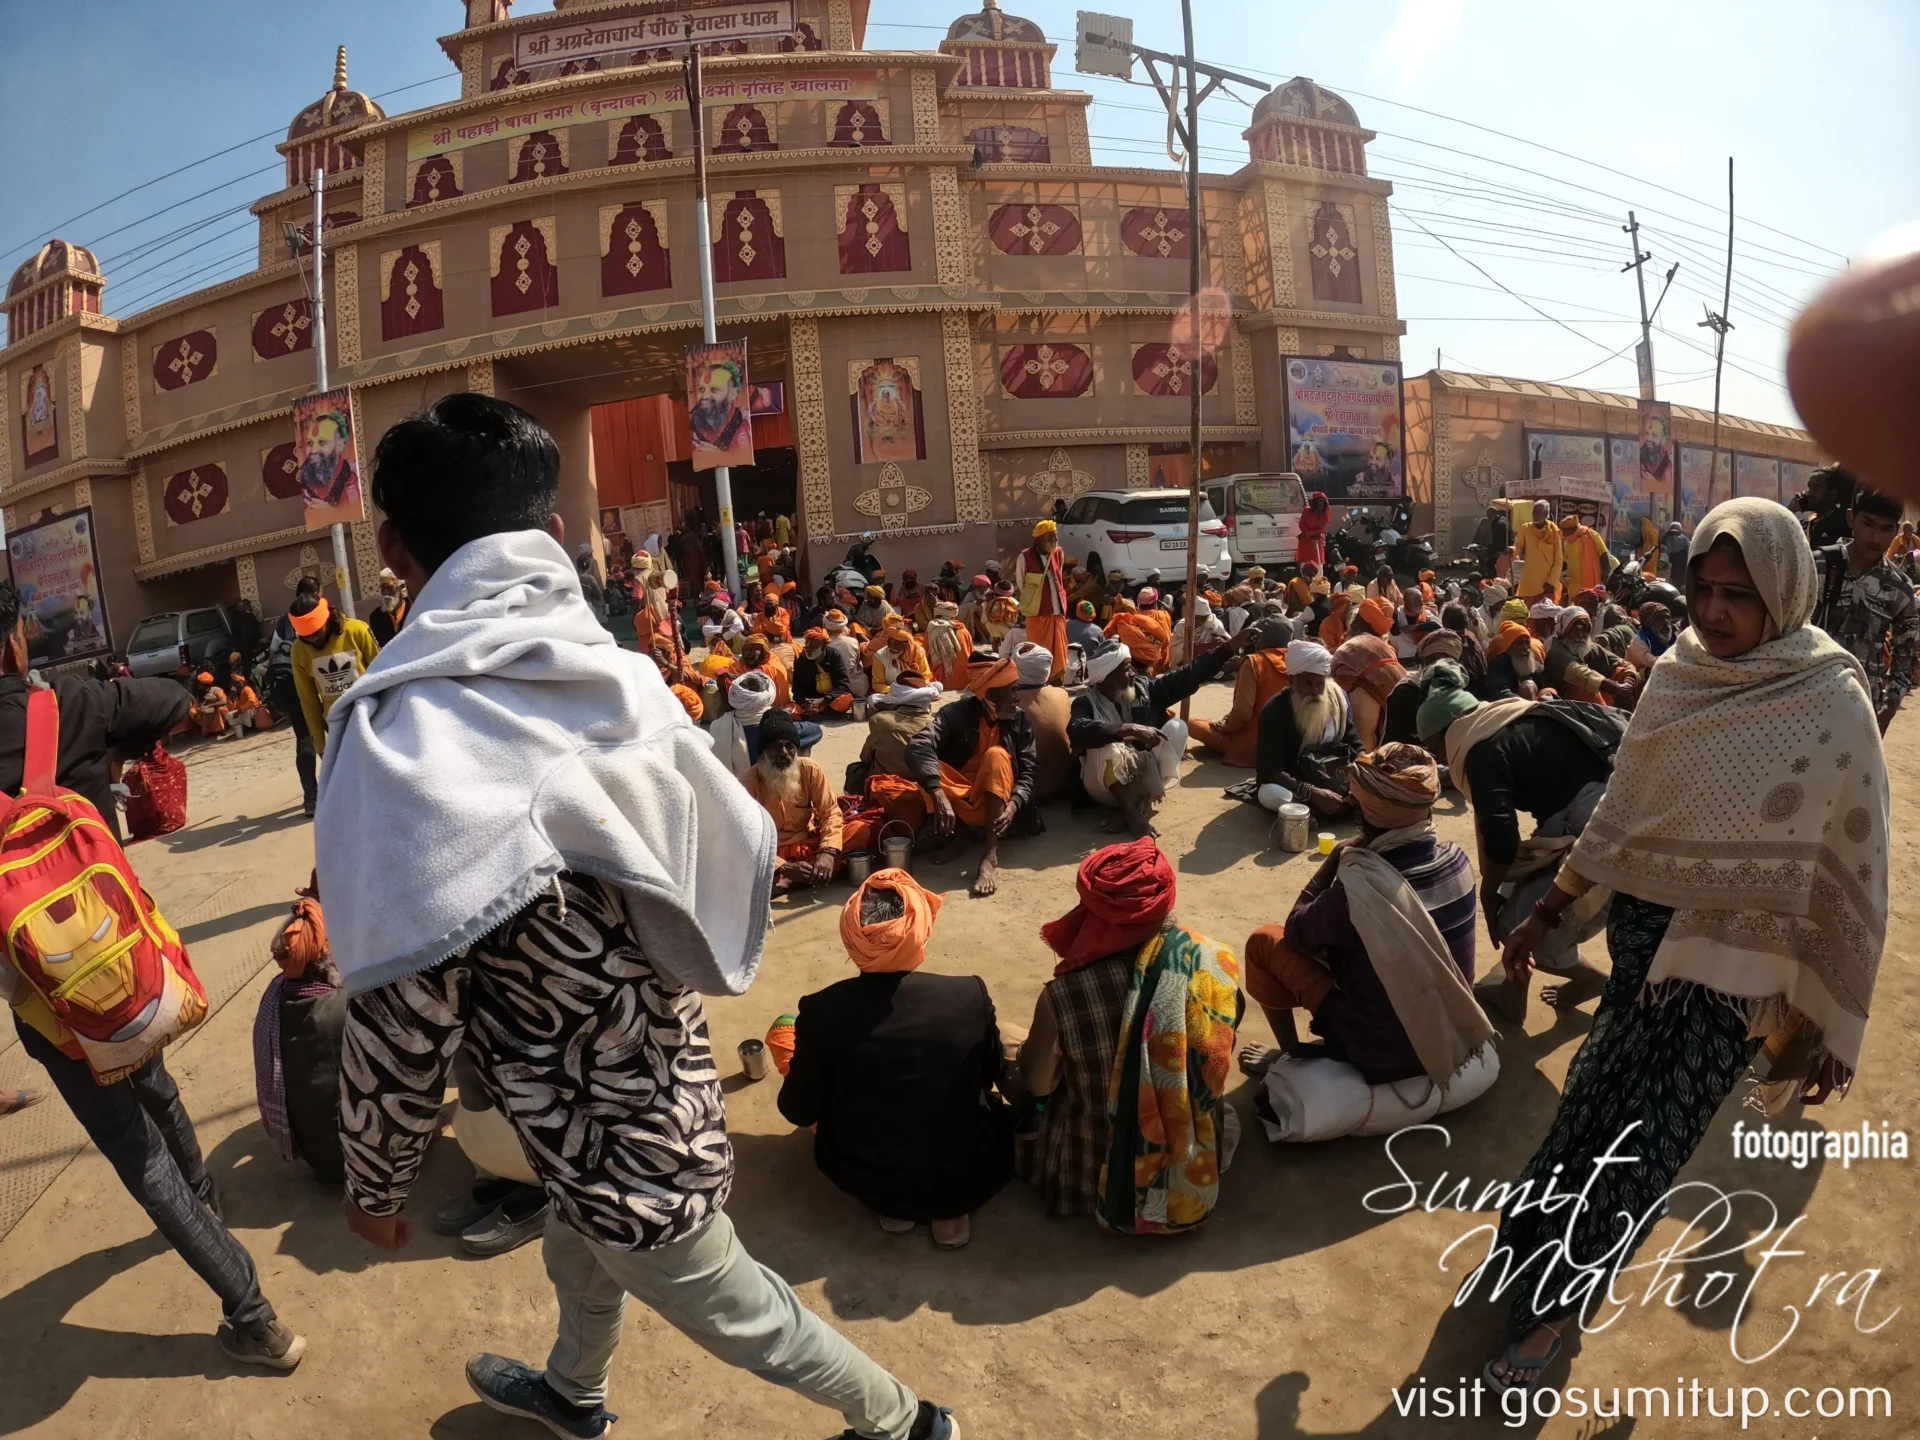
{"points": [[992, 677], [891, 945], [1511, 633]]}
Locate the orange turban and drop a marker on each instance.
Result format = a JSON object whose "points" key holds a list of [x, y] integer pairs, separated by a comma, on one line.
{"points": [[1376, 615], [891, 945], [988, 678], [302, 941]]}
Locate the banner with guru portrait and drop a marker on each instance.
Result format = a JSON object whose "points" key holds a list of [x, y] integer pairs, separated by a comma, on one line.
{"points": [[1344, 432], [717, 415], [56, 569]]}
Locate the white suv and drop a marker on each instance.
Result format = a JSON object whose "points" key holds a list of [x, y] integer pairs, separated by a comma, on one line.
{"points": [[1140, 531]]}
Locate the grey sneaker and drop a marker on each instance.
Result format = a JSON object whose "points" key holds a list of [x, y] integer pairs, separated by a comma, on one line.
{"points": [[497, 1232], [276, 1347], [515, 1388]]}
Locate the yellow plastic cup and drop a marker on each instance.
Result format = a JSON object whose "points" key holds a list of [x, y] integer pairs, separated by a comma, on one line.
{"points": [[1326, 842]]}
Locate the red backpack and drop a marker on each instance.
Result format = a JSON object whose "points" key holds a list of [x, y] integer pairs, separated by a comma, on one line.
{"points": [[109, 979]]}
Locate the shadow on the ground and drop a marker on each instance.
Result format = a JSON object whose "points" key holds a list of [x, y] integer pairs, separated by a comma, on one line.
{"points": [[237, 831], [227, 924], [1276, 1202], [52, 1358], [260, 1191], [473, 1422]]}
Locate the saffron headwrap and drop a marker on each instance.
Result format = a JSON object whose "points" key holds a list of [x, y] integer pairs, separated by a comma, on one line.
{"points": [[1044, 529], [1126, 895], [997, 676], [1376, 615], [1395, 786], [890, 945]]}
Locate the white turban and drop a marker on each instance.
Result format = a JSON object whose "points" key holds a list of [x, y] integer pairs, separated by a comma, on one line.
{"points": [[751, 696], [1103, 663], [1309, 657], [1570, 617], [1033, 663], [1494, 594], [1202, 610], [908, 697], [1543, 610]]}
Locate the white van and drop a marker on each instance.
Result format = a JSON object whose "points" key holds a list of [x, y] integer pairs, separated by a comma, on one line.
{"points": [[1262, 516]]}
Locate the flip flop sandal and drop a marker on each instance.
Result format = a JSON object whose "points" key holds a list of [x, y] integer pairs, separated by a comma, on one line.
{"points": [[1523, 1374], [16, 1100]]}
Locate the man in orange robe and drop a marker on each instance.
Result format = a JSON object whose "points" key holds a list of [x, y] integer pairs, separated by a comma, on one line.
{"points": [[1263, 675], [1040, 583]]}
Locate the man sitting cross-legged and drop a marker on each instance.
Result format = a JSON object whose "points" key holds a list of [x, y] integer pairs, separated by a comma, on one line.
{"points": [[794, 790], [975, 762], [1379, 947], [1128, 748]]}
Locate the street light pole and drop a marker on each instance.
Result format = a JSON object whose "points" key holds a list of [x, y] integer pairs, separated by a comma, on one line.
{"points": [[1197, 355], [703, 242], [340, 582]]}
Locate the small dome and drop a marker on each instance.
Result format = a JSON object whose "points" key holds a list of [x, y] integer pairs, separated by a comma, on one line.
{"points": [[1304, 100], [339, 106], [56, 257], [993, 23]]}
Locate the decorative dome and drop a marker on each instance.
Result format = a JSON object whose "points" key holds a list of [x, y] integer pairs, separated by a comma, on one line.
{"points": [[993, 23], [339, 106], [1002, 51], [1308, 125], [55, 258], [1301, 99]]}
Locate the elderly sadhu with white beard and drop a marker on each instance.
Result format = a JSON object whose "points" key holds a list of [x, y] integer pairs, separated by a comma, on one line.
{"points": [[794, 790], [1307, 736], [1129, 750]]}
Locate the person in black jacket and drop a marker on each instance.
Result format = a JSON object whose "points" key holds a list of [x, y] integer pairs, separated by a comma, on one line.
{"points": [[895, 1070], [284, 696], [975, 762], [1307, 735], [1120, 733], [137, 1122], [820, 679]]}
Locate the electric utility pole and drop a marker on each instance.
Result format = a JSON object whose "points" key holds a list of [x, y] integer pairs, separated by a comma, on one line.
{"points": [[1643, 356], [1719, 323], [320, 371], [1105, 47], [703, 242]]}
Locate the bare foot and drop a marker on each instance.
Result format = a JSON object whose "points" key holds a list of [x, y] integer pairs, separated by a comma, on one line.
{"points": [[1582, 983], [987, 879], [1505, 998], [1256, 1060], [952, 1234], [14, 1100]]}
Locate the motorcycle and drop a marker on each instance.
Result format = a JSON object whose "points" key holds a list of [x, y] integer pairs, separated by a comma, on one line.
{"points": [[1629, 588]]}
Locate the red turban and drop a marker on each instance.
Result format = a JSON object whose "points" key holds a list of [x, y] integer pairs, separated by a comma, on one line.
{"points": [[1126, 894]]}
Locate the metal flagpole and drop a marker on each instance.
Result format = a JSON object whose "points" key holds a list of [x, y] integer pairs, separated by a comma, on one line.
{"points": [[703, 241], [340, 581]]}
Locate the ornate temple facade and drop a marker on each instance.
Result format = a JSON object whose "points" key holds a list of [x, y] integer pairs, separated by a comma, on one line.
{"points": [[958, 315]]}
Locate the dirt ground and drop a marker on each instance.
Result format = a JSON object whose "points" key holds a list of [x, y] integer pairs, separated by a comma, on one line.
{"points": [[1296, 1311]]}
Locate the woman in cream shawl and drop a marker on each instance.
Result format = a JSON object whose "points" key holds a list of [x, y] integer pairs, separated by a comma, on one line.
{"points": [[1745, 835]]}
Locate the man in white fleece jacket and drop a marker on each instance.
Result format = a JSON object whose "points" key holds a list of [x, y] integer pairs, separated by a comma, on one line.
{"points": [[552, 884]]}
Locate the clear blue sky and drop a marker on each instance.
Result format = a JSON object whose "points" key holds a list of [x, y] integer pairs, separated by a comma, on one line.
{"points": [[1816, 102]]}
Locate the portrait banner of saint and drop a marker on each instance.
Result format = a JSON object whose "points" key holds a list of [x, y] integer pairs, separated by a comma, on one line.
{"points": [[1034, 230], [887, 410], [1157, 232], [1332, 255], [643, 137], [197, 494], [280, 471], [717, 418], [634, 255], [329, 473], [521, 260], [38, 418], [1045, 371], [1656, 446], [873, 237], [747, 244], [284, 329], [410, 298]]}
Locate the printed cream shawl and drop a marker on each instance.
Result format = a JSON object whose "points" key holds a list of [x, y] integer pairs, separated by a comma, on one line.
{"points": [[1751, 796]]}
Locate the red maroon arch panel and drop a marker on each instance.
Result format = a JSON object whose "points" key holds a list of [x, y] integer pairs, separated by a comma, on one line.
{"points": [[1034, 230], [1158, 371], [1045, 371]]}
